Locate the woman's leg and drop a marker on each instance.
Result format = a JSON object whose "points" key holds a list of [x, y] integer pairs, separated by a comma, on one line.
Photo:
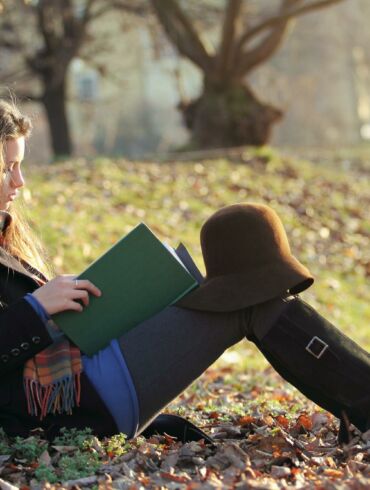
{"points": [[317, 358], [170, 350]]}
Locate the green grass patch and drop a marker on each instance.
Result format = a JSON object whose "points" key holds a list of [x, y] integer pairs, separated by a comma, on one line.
{"points": [[81, 207]]}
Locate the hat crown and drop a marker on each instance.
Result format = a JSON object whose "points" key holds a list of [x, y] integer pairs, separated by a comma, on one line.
{"points": [[242, 237], [248, 260]]}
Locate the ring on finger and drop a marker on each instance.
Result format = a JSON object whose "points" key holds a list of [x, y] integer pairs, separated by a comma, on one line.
{"points": [[76, 283]]}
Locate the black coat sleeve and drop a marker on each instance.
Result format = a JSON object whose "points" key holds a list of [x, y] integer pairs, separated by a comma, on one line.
{"points": [[22, 335]]}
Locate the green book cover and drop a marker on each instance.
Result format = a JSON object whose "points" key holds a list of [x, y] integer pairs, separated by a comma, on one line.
{"points": [[138, 277]]}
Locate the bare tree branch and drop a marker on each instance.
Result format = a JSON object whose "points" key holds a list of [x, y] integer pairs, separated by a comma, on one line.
{"points": [[283, 16], [44, 19], [26, 97], [271, 43], [263, 51], [10, 33], [10, 76], [87, 15], [139, 8], [9, 44], [99, 12], [182, 32], [224, 57], [71, 25]]}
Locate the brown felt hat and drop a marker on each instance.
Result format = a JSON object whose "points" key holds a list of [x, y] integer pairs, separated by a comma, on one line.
{"points": [[247, 258]]}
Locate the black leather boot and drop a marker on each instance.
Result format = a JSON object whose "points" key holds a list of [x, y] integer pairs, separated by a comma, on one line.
{"points": [[319, 360]]}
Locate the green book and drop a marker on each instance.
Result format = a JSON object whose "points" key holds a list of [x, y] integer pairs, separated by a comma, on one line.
{"points": [[138, 277]]}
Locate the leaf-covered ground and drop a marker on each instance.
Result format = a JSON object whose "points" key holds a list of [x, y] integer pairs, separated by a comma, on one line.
{"points": [[267, 435]]}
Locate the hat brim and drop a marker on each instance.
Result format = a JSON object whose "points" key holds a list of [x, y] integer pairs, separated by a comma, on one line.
{"points": [[237, 291]]}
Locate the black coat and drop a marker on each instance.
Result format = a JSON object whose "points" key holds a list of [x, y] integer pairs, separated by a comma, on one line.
{"points": [[22, 336]]}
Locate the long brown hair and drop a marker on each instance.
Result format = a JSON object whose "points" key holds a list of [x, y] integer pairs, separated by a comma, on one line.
{"points": [[19, 242]]}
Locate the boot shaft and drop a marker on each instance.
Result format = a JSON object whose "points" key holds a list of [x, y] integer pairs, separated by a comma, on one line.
{"points": [[319, 360]]}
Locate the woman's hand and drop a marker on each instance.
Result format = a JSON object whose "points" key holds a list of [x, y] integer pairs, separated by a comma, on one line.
{"points": [[61, 293]]}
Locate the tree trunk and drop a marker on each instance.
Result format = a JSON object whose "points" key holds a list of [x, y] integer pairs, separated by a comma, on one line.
{"points": [[227, 115], [54, 100]]}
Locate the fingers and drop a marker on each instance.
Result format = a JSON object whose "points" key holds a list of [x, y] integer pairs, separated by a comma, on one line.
{"points": [[70, 297], [88, 286], [82, 295], [60, 294], [73, 305], [84, 287]]}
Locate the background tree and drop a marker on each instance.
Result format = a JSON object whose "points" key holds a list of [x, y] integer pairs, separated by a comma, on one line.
{"points": [[228, 113], [41, 38]]}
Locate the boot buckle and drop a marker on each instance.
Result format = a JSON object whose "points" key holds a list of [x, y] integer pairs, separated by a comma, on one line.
{"points": [[315, 344]]}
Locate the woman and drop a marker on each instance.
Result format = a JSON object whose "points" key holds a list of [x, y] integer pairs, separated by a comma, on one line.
{"points": [[248, 292]]}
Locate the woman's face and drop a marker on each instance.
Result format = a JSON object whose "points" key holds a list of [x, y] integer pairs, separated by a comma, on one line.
{"points": [[12, 178]]}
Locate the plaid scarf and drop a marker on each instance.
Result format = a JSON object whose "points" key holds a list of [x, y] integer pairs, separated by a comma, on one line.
{"points": [[52, 378]]}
